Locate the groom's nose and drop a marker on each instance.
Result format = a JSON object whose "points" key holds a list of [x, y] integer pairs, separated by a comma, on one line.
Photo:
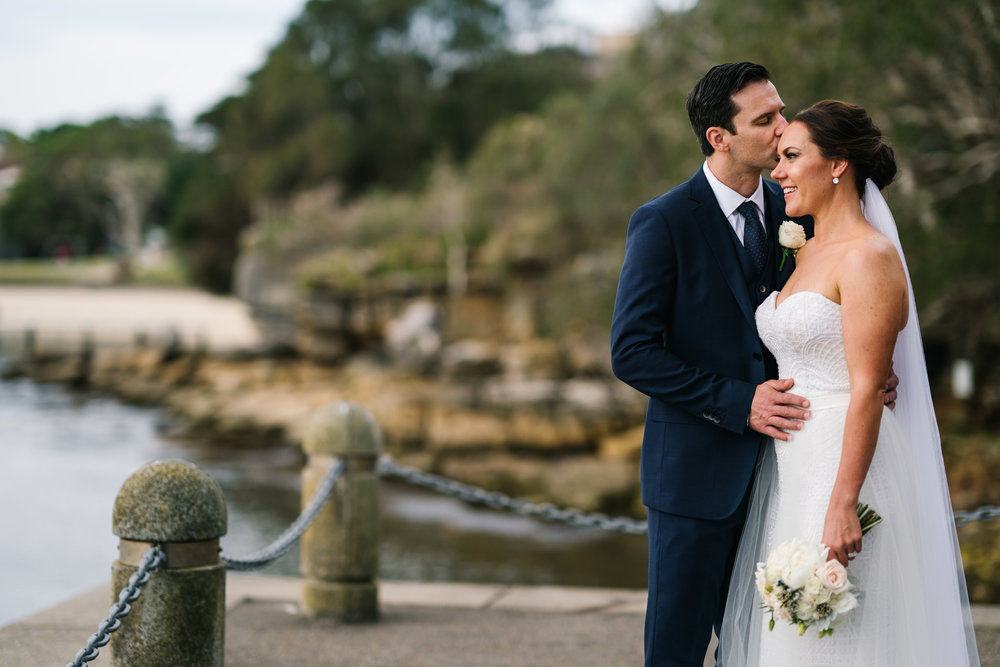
{"points": [[780, 125]]}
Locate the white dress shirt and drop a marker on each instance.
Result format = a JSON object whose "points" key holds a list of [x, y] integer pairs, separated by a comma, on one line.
{"points": [[729, 200]]}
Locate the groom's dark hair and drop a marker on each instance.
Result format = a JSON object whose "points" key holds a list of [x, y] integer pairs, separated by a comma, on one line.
{"points": [[710, 103]]}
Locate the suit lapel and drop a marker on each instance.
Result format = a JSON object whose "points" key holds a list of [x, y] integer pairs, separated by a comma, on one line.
{"points": [[716, 229]]}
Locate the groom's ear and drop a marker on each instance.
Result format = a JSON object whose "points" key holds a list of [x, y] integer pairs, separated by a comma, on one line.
{"points": [[717, 138]]}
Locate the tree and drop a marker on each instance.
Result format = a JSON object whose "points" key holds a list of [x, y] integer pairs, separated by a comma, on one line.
{"points": [[208, 213], [360, 91], [82, 186], [131, 186]]}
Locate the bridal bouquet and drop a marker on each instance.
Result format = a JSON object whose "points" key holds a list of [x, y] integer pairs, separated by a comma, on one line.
{"points": [[799, 585]]}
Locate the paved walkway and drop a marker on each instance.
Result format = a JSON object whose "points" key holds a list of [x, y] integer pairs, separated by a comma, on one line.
{"points": [[222, 323], [422, 625]]}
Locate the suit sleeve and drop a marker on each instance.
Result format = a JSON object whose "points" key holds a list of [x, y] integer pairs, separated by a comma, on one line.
{"points": [[641, 353]]}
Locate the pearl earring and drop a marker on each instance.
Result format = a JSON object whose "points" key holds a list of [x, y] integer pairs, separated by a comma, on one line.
{"points": [[836, 180]]}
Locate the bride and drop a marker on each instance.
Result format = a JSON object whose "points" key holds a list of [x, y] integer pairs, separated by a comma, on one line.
{"points": [[845, 316]]}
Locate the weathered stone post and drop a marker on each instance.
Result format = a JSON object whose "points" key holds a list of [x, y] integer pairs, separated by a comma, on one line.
{"points": [[339, 555], [179, 620]]}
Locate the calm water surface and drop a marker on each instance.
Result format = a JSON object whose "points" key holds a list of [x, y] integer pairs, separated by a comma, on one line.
{"points": [[65, 456]]}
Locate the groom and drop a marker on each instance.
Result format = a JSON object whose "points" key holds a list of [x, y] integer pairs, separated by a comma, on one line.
{"points": [[698, 261]]}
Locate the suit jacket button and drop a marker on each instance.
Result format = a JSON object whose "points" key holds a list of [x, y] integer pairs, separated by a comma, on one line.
{"points": [[762, 288], [757, 356]]}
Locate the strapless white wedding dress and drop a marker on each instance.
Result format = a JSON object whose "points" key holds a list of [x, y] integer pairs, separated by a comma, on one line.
{"points": [[890, 627]]}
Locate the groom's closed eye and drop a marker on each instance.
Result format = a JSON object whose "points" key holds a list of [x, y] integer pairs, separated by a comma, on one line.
{"points": [[768, 118]]}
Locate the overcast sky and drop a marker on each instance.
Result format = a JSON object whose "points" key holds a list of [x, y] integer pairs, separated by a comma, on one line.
{"points": [[78, 60]]}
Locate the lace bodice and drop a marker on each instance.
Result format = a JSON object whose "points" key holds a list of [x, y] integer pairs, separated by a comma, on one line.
{"points": [[805, 336]]}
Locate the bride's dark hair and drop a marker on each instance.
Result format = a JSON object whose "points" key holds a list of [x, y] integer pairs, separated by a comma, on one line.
{"points": [[846, 131]]}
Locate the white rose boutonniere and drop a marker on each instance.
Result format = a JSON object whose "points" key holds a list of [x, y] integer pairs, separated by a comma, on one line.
{"points": [[791, 237]]}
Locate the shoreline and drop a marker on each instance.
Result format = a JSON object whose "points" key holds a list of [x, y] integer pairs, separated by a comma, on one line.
{"points": [[572, 441]]}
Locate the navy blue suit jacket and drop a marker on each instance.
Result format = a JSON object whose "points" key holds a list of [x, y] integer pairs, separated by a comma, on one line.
{"points": [[684, 334]]}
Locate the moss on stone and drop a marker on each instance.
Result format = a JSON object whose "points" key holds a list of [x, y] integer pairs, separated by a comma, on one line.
{"points": [[343, 429], [169, 501]]}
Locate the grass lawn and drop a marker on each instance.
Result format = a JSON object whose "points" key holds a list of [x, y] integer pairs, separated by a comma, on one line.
{"points": [[88, 271]]}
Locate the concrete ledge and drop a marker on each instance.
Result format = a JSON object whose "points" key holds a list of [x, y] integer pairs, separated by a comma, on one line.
{"points": [[569, 600], [242, 588], [556, 599], [457, 595]]}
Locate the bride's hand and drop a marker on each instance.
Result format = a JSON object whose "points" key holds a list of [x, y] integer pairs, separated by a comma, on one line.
{"points": [[842, 532]]}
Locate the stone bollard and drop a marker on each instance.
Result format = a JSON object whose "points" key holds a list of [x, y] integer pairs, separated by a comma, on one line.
{"points": [[339, 554], [179, 620]]}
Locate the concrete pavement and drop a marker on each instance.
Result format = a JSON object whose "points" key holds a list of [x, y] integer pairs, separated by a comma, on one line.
{"points": [[442, 624], [422, 625]]}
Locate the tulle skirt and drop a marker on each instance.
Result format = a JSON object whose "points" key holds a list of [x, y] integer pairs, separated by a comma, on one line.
{"points": [[910, 614]]}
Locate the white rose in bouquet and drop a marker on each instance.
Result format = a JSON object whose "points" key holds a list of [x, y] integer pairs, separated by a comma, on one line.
{"points": [[801, 564], [797, 583], [844, 603], [833, 576]]}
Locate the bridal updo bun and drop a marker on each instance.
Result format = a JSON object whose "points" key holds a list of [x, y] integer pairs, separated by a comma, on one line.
{"points": [[846, 131]]}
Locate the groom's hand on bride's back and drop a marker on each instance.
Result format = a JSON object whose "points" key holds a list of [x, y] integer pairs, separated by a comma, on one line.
{"points": [[774, 412]]}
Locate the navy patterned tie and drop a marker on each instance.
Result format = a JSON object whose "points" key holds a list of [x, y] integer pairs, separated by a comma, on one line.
{"points": [[753, 234]]}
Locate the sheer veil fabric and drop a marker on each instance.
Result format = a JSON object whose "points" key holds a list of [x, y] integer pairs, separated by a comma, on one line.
{"points": [[928, 620]]}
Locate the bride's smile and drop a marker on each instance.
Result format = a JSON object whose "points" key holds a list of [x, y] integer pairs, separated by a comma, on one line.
{"points": [[804, 174]]}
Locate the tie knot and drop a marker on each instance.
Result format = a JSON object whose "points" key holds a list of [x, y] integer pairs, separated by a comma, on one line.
{"points": [[749, 211]]}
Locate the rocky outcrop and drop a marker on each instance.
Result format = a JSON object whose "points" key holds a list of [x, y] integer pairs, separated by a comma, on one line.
{"points": [[511, 417]]}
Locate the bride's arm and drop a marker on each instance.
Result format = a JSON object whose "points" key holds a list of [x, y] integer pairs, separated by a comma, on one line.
{"points": [[873, 310]]}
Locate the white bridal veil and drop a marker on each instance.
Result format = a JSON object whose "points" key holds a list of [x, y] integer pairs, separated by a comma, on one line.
{"points": [[939, 590]]}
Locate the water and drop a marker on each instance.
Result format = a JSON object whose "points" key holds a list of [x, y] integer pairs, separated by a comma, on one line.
{"points": [[65, 456]]}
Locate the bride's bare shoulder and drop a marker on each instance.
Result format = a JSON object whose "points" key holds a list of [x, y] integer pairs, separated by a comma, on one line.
{"points": [[871, 277], [872, 253]]}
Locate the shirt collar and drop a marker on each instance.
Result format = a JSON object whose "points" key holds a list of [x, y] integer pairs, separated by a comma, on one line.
{"points": [[729, 200]]}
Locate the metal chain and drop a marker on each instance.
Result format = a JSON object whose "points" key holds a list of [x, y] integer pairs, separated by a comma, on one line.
{"points": [[497, 500], [287, 539], [153, 558], [574, 517], [984, 513]]}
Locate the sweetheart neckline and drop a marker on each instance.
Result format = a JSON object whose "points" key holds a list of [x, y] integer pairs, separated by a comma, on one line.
{"points": [[793, 294]]}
